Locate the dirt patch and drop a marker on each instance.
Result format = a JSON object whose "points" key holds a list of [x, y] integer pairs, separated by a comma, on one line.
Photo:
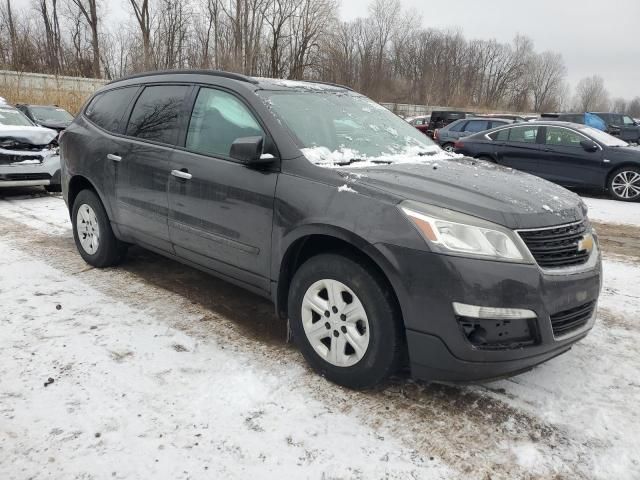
{"points": [[621, 240]]}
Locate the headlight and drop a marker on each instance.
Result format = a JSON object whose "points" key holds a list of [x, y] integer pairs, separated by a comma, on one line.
{"points": [[455, 233]]}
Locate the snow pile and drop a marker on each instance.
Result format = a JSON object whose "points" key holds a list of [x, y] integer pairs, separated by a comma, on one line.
{"points": [[415, 154], [346, 188]]}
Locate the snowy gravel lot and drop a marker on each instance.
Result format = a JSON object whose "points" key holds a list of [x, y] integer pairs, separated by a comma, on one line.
{"points": [[159, 371]]}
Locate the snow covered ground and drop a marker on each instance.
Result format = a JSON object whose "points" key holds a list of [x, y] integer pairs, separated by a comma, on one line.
{"points": [[607, 211], [162, 372]]}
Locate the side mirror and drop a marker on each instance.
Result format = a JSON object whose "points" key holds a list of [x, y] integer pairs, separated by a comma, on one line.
{"points": [[248, 150], [589, 145]]}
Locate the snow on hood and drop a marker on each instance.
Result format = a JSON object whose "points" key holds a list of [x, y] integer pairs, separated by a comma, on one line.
{"points": [[323, 157], [27, 134]]}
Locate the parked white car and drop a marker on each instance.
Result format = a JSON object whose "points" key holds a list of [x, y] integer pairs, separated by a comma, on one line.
{"points": [[28, 154]]}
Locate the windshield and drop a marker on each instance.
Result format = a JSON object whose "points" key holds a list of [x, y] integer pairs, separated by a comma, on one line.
{"points": [[335, 128], [51, 114], [604, 137], [13, 117]]}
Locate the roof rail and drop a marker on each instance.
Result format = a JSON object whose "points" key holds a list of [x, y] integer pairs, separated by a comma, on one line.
{"points": [[326, 83], [214, 73]]}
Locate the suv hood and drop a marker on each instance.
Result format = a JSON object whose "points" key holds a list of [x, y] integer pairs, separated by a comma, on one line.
{"points": [[498, 194], [28, 136]]}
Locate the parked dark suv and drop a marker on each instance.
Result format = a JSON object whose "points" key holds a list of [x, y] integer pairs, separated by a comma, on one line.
{"points": [[442, 118], [626, 127], [375, 244]]}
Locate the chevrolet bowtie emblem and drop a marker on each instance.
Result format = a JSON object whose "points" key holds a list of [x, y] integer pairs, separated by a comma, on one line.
{"points": [[586, 243]]}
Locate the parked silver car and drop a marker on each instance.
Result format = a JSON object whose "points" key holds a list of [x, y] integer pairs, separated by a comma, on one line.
{"points": [[28, 154], [446, 136]]}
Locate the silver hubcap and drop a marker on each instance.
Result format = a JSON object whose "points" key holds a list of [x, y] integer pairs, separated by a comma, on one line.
{"points": [[626, 184], [448, 148], [88, 230], [335, 323]]}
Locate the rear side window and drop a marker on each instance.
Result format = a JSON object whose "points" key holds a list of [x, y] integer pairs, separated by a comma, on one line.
{"points": [[106, 109], [457, 127], [156, 113], [562, 137], [218, 119], [477, 126], [495, 123], [523, 134], [500, 135]]}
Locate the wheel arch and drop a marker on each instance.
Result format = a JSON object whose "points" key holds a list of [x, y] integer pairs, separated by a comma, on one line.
{"points": [[617, 168], [77, 183], [317, 239]]}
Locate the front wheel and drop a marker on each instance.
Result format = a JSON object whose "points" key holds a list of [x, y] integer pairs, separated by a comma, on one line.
{"points": [[624, 184], [345, 321], [92, 232]]}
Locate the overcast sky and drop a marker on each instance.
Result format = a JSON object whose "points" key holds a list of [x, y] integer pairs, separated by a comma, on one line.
{"points": [[594, 36]]}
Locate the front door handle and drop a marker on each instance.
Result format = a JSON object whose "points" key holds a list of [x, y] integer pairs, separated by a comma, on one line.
{"points": [[114, 157], [181, 174]]}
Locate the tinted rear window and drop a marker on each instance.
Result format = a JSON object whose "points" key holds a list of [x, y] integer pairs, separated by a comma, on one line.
{"points": [[477, 126], [106, 109], [156, 113]]}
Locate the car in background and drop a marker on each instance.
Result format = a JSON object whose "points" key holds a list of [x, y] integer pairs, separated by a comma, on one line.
{"points": [[569, 154], [625, 126], [446, 137], [49, 116], [442, 118], [421, 122], [508, 116], [28, 153]]}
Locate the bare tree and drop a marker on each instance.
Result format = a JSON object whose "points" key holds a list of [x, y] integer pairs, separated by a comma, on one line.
{"points": [[141, 11], [591, 94], [89, 10], [633, 108], [546, 75], [619, 105]]}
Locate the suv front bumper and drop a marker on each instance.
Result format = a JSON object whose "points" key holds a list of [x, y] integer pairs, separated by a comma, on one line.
{"points": [[439, 347]]}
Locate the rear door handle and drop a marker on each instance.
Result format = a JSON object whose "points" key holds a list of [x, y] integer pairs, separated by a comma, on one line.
{"points": [[115, 158], [181, 174]]}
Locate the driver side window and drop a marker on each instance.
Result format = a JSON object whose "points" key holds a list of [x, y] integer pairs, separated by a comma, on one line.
{"points": [[217, 120]]}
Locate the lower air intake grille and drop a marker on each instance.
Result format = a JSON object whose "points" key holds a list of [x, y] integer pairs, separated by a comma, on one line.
{"points": [[572, 319]]}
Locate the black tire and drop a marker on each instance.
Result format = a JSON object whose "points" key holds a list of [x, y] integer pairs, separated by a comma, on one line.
{"points": [[55, 188], [385, 349], [448, 147], [616, 194], [110, 251]]}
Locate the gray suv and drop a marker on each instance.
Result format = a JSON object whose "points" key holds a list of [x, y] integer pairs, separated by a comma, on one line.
{"points": [[378, 248], [448, 135]]}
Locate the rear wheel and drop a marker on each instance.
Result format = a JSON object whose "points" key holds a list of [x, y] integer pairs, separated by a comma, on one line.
{"points": [[92, 232], [345, 321], [448, 147], [624, 184]]}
